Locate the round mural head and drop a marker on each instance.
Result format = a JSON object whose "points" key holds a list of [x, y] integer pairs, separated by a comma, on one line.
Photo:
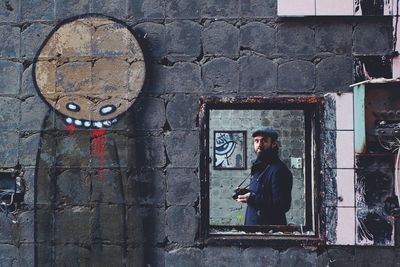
{"points": [[90, 69]]}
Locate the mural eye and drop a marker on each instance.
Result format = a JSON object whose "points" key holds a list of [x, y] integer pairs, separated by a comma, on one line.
{"points": [[108, 109], [73, 107]]}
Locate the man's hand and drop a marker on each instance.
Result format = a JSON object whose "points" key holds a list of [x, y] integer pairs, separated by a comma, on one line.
{"points": [[243, 198]]}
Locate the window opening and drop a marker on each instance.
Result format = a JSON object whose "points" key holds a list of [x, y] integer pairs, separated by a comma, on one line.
{"points": [[228, 153]]}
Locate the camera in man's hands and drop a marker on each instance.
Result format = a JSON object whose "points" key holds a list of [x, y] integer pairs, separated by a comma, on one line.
{"points": [[240, 191]]}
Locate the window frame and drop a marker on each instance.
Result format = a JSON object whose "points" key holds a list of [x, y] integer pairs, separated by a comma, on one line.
{"points": [[254, 235]]}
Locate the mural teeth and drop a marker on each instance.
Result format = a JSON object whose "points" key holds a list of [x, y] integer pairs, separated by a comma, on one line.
{"points": [[114, 121], [78, 123], [87, 123], [68, 120], [107, 123], [98, 124]]}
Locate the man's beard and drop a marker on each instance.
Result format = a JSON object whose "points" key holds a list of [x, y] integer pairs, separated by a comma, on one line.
{"points": [[267, 154]]}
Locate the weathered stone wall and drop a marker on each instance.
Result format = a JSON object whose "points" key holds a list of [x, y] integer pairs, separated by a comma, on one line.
{"points": [[146, 211]]}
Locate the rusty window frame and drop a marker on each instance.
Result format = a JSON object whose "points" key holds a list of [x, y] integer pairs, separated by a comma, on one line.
{"points": [[254, 235]]}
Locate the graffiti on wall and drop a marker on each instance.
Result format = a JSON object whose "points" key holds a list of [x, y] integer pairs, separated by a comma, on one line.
{"points": [[229, 150], [374, 185], [373, 7], [368, 7], [90, 70], [370, 67]]}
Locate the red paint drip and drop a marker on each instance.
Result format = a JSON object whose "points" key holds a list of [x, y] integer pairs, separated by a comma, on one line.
{"points": [[71, 130], [98, 144]]}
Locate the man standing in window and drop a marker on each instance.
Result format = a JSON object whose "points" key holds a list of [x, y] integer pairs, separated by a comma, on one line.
{"points": [[270, 185]]}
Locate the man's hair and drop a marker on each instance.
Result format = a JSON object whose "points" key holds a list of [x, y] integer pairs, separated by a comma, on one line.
{"points": [[266, 131]]}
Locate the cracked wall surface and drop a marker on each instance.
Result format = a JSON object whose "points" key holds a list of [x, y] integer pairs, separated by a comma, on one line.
{"points": [[146, 210]]}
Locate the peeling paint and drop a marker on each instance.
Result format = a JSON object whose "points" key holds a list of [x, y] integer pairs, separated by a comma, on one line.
{"points": [[374, 184]]}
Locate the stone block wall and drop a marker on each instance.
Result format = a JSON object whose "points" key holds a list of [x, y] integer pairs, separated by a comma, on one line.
{"points": [[146, 210]]}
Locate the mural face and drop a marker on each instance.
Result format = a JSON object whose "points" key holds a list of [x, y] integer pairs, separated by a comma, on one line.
{"points": [[90, 70]]}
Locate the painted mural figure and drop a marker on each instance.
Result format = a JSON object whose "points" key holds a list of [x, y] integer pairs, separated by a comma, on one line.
{"points": [[270, 185], [89, 70]]}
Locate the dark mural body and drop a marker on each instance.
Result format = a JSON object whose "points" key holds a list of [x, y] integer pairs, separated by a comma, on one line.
{"points": [[76, 211], [77, 150], [137, 202]]}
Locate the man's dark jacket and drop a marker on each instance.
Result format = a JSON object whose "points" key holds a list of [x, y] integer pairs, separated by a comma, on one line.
{"points": [[270, 186]]}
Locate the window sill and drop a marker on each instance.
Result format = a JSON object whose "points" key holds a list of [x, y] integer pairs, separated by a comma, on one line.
{"points": [[249, 239]]}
